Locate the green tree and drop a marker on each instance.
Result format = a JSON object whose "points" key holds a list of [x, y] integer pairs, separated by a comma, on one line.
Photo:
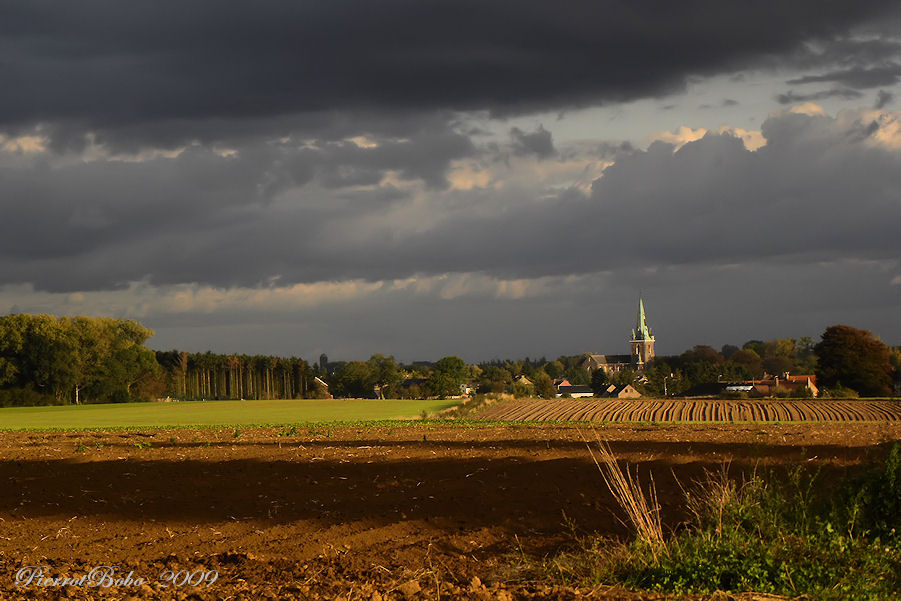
{"points": [[854, 358], [544, 386], [522, 389], [758, 346], [353, 379], [441, 384], [554, 369], [577, 376], [447, 376], [805, 357], [386, 375], [623, 377], [749, 361], [728, 350], [494, 379], [599, 382]]}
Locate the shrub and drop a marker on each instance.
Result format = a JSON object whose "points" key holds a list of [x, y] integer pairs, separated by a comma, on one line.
{"points": [[838, 392], [774, 534], [25, 397]]}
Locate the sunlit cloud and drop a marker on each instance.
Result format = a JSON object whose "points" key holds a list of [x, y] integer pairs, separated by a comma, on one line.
{"points": [[752, 139]]}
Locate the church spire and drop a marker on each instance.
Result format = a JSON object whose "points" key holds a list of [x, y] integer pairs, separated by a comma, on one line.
{"points": [[642, 340], [641, 331]]}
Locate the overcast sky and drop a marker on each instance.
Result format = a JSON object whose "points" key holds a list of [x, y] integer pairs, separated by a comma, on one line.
{"points": [[473, 177]]}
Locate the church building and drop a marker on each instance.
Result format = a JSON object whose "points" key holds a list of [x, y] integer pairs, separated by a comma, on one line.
{"points": [[642, 347]]}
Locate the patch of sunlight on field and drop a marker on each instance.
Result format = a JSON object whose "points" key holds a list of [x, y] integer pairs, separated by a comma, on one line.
{"points": [[211, 413]]}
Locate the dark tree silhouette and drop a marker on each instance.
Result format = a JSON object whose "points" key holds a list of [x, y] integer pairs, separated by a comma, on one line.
{"points": [[854, 358]]}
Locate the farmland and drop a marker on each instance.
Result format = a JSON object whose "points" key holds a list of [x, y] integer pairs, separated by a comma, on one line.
{"points": [[702, 410], [352, 511], [211, 413]]}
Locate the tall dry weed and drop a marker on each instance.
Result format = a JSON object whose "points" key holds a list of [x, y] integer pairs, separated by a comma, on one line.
{"points": [[641, 509]]}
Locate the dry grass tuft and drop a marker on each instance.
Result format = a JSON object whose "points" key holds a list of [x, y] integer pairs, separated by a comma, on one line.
{"points": [[642, 511]]}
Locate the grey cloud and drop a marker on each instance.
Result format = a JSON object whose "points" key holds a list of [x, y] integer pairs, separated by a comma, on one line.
{"points": [[199, 218], [883, 98], [686, 305], [166, 72], [856, 77], [539, 143], [873, 46], [791, 97], [711, 202], [817, 205]]}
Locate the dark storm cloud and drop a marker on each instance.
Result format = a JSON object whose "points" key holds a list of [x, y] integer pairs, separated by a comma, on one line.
{"points": [[539, 143], [164, 72], [875, 47], [792, 98], [820, 189], [857, 77], [199, 216]]}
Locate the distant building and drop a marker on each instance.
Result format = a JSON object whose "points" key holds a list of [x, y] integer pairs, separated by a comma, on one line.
{"points": [[575, 392], [321, 388], [642, 341], [785, 383], [521, 379], [626, 391], [323, 362], [641, 344], [767, 386]]}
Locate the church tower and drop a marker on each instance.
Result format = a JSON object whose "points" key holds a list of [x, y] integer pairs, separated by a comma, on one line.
{"points": [[642, 340]]}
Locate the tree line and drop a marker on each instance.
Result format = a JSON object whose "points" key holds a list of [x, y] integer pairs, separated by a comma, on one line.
{"points": [[382, 377], [60, 360], [846, 361], [198, 376], [49, 360]]}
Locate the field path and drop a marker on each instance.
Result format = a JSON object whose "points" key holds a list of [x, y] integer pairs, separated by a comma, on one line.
{"points": [[615, 410]]}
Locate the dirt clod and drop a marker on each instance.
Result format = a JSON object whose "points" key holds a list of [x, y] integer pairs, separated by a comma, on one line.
{"points": [[409, 589]]}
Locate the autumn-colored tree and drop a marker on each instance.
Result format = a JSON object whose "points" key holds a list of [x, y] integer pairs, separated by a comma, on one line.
{"points": [[854, 358]]}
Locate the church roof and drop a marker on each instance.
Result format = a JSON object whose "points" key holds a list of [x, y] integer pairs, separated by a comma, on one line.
{"points": [[609, 359]]}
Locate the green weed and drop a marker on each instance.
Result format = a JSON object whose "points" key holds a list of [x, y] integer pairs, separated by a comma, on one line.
{"points": [[288, 432], [776, 533]]}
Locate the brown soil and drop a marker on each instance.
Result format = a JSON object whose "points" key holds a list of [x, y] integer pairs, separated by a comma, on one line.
{"points": [[413, 512], [692, 410]]}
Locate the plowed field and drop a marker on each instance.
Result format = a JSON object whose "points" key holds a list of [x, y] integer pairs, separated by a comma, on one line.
{"points": [[406, 513], [702, 410]]}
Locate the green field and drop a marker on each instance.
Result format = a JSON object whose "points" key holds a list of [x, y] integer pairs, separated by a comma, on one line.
{"points": [[213, 413]]}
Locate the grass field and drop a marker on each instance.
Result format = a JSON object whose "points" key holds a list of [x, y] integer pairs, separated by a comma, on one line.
{"points": [[213, 413]]}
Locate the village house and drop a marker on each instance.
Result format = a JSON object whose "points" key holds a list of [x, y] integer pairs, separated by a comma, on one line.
{"points": [[625, 391], [565, 389]]}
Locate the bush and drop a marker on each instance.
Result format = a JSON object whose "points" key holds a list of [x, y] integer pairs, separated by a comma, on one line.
{"points": [[775, 534], [801, 392], [838, 392], [25, 397]]}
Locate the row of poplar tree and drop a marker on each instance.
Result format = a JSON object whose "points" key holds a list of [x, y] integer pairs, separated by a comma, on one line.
{"points": [[48, 360]]}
